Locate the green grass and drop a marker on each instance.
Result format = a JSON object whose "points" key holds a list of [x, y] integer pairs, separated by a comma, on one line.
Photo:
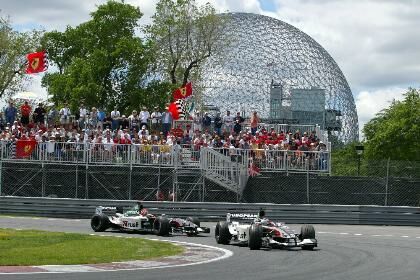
{"points": [[34, 247]]}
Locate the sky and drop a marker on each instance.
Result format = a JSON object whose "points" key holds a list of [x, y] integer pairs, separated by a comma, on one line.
{"points": [[376, 43]]}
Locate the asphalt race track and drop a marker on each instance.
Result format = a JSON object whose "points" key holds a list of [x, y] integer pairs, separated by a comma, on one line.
{"points": [[344, 252]]}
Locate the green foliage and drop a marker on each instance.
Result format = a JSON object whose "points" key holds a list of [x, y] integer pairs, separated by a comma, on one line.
{"points": [[344, 160], [104, 63], [184, 36], [395, 132], [14, 46], [33, 247]]}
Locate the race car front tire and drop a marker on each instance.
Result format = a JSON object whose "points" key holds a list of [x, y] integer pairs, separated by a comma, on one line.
{"points": [[307, 232], [255, 237], [161, 226], [100, 222], [194, 220], [221, 233]]}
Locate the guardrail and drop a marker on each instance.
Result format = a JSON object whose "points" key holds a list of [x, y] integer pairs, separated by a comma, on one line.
{"points": [[305, 213]]}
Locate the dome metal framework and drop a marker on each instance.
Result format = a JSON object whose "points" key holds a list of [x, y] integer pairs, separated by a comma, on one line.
{"points": [[263, 50]]}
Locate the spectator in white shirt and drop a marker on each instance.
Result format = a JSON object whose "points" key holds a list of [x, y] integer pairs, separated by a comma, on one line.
{"points": [[144, 117], [156, 119], [82, 116], [65, 116], [228, 122], [115, 115]]}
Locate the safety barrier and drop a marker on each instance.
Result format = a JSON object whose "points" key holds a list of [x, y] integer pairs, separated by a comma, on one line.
{"points": [[307, 213]]}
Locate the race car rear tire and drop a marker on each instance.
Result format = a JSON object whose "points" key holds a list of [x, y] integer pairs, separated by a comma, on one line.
{"points": [[222, 233], [307, 232], [100, 222], [194, 220], [255, 237], [161, 226]]}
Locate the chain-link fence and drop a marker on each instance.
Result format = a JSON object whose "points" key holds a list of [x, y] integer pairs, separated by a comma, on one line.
{"points": [[390, 183]]}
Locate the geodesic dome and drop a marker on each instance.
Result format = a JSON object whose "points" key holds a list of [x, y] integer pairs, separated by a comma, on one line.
{"points": [[263, 50]]}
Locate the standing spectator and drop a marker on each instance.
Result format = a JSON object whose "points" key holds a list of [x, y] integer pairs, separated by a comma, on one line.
{"points": [[206, 122], [107, 121], [101, 118], [65, 116], [239, 118], [237, 128], [2, 121], [52, 116], [39, 114], [82, 116], [197, 122], [156, 119], [254, 122], [228, 122], [93, 118], [125, 122], [134, 120], [10, 113], [218, 124], [166, 122], [25, 112], [144, 117], [115, 115]]}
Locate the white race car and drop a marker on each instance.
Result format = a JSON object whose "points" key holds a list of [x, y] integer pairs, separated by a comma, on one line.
{"points": [[138, 219], [256, 231]]}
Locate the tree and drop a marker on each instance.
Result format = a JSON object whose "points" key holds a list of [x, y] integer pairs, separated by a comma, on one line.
{"points": [[103, 62], [14, 46], [394, 132], [184, 36]]}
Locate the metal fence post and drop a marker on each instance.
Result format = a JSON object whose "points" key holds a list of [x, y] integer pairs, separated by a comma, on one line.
{"points": [[77, 177], [307, 181], [86, 153], [130, 174], [387, 182], [43, 179], [1, 179]]}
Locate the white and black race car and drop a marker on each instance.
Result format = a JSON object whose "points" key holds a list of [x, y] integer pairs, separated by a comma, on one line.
{"points": [[138, 219], [256, 232]]}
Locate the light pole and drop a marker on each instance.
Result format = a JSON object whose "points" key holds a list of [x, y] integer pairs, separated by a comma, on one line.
{"points": [[359, 151]]}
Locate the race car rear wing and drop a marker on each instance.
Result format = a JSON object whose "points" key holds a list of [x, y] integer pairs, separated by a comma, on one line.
{"points": [[243, 217]]}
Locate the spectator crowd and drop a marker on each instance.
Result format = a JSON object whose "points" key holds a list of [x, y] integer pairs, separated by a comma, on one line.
{"points": [[149, 128]]}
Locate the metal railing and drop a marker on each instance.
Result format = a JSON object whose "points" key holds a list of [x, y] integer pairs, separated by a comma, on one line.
{"points": [[168, 155], [220, 168], [299, 213]]}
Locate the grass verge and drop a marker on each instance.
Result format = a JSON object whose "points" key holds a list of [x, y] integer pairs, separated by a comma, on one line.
{"points": [[34, 247]]}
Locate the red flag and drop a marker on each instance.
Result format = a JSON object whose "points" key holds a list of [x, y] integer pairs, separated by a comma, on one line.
{"points": [[183, 92], [36, 62], [24, 148], [178, 109]]}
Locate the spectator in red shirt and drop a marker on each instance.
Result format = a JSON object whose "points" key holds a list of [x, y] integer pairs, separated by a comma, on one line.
{"points": [[25, 111]]}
